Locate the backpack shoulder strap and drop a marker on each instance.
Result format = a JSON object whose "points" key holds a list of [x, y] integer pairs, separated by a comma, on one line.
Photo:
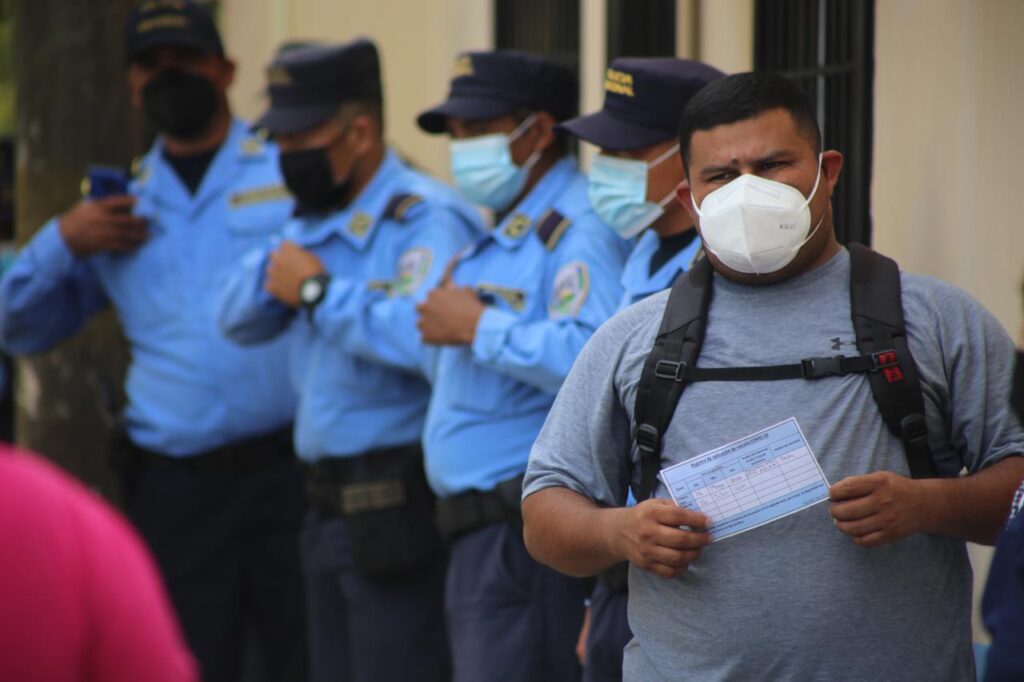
{"points": [[876, 305], [676, 346]]}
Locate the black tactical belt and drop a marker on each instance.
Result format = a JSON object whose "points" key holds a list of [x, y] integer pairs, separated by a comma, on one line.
{"points": [[373, 481], [466, 512], [245, 455]]}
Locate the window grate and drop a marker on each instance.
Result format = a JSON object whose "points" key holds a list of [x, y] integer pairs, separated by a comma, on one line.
{"points": [[827, 46], [641, 29]]}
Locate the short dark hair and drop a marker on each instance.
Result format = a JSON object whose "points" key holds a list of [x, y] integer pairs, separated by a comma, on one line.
{"points": [[371, 108], [743, 96]]}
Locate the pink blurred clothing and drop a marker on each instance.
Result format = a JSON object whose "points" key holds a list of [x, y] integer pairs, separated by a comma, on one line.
{"points": [[80, 598]]}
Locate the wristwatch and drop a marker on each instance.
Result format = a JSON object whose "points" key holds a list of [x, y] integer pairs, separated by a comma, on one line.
{"points": [[312, 290]]}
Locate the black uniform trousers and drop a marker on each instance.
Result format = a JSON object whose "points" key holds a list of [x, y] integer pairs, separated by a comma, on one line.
{"points": [[225, 534]]}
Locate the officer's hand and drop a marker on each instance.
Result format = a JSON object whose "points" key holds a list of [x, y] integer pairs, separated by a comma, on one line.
{"points": [[878, 508], [94, 225], [449, 316], [650, 537], [289, 266]]}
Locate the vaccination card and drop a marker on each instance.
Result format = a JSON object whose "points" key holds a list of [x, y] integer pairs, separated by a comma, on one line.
{"points": [[750, 482]]}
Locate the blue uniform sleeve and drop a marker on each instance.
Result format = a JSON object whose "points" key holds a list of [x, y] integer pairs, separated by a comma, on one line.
{"points": [[246, 313], [47, 294], [376, 321], [583, 290]]}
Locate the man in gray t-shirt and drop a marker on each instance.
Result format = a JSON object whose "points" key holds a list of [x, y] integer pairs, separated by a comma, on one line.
{"points": [[875, 583]]}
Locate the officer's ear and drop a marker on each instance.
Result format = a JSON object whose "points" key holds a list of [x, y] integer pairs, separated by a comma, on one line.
{"points": [[225, 74], [363, 133], [542, 131]]}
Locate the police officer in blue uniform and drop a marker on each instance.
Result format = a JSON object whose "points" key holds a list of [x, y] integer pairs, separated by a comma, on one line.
{"points": [[632, 186], [509, 319], [212, 482], [370, 237], [633, 179]]}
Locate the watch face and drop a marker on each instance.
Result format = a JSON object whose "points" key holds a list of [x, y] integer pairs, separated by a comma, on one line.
{"points": [[311, 290]]}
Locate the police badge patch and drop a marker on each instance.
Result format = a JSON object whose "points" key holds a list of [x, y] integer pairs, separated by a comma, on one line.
{"points": [[413, 267], [572, 284]]}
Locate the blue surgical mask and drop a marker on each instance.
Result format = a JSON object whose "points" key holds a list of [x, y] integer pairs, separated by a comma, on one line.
{"points": [[618, 192], [483, 170]]}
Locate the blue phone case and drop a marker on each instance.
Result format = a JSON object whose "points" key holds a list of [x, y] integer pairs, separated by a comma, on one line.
{"points": [[105, 181]]}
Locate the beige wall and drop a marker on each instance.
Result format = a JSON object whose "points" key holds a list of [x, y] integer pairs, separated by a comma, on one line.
{"points": [[417, 41], [948, 146], [949, 91]]}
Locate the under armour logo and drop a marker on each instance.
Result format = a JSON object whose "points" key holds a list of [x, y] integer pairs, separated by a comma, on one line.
{"points": [[837, 343]]}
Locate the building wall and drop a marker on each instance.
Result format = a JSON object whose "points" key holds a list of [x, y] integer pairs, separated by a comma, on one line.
{"points": [[948, 144], [417, 42]]}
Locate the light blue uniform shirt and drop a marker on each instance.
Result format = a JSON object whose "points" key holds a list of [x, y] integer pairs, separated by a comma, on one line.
{"points": [[637, 281], [189, 389], [357, 363], [490, 399]]}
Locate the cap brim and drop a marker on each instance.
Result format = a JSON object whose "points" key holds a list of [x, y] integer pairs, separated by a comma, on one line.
{"points": [[614, 134], [286, 121], [470, 108]]}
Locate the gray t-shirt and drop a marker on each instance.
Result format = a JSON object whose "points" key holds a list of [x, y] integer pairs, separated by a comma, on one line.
{"points": [[795, 599]]}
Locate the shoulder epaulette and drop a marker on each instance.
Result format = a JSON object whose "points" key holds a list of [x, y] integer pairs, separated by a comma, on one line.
{"points": [[551, 228], [399, 205]]}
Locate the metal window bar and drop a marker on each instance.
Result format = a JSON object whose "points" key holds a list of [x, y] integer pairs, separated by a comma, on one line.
{"points": [[827, 46]]}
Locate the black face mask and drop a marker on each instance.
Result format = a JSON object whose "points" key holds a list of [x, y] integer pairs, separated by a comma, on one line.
{"points": [[310, 178], [179, 104]]}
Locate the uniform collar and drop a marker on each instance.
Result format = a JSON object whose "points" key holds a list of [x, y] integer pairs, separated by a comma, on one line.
{"points": [[357, 222], [636, 278], [522, 219], [159, 183]]}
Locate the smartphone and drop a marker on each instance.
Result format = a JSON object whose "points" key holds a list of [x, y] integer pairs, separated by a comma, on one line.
{"points": [[104, 181]]}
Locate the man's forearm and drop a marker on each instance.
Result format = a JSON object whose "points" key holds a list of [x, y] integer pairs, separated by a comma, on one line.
{"points": [[568, 532], [974, 507]]}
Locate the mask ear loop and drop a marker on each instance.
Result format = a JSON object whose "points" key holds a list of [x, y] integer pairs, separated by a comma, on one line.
{"points": [[817, 179], [808, 203], [518, 132], [667, 154]]}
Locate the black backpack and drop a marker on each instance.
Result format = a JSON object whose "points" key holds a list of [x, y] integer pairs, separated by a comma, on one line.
{"points": [[877, 312]]}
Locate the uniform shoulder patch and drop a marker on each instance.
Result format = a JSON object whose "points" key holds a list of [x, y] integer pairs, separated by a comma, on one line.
{"points": [[552, 228], [398, 206], [570, 290], [413, 268]]}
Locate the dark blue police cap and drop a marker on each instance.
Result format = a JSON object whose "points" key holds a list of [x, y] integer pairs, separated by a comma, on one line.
{"points": [[307, 84], [159, 23], [492, 84], [643, 100]]}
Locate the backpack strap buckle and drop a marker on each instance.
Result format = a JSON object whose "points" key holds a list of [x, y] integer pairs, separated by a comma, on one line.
{"points": [[647, 438], [669, 369], [815, 368], [884, 359]]}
